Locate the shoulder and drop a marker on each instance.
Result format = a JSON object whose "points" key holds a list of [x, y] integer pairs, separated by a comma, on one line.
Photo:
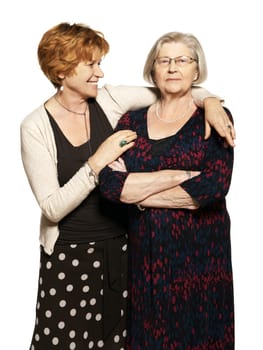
{"points": [[35, 118]]}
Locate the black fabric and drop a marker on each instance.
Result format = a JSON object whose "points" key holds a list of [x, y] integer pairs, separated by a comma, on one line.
{"points": [[95, 218]]}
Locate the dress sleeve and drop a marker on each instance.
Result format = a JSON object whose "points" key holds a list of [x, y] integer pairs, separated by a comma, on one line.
{"points": [[214, 181], [112, 182]]}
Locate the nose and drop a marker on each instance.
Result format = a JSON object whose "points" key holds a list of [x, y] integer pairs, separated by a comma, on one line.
{"points": [[172, 66], [98, 71]]}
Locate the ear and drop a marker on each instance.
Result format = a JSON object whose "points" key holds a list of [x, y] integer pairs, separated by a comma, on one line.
{"points": [[196, 76], [61, 76], [153, 77]]}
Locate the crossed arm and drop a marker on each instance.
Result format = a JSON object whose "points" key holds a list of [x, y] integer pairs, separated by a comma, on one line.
{"points": [[159, 189]]}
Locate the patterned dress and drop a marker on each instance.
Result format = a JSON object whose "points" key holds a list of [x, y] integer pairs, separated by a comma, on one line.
{"points": [[180, 277]]}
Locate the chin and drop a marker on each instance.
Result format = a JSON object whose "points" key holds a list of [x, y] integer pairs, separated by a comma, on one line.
{"points": [[93, 92]]}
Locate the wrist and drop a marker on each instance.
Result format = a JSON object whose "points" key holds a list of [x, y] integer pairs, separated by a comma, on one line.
{"points": [[93, 174], [211, 100]]}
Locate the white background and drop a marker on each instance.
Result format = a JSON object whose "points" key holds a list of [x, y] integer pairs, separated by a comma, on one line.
{"points": [[231, 35]]}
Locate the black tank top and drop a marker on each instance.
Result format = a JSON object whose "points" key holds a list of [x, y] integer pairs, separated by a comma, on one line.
{"points": [[95, 218]]}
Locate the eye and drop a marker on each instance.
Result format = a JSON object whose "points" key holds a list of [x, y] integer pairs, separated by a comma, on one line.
{"points": [[163, 60], [92, 63], [182, 60]]}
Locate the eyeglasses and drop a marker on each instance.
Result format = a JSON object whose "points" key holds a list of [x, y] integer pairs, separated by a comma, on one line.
{"points": [[180, 61]]}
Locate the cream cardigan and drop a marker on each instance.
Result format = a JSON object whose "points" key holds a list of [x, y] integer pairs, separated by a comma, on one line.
{"points": [[39, 156]]}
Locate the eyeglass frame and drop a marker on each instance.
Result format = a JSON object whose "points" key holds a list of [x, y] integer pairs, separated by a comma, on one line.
{"points": [[170, 59]]}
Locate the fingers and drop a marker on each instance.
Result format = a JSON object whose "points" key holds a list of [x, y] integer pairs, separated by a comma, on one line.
{"points": [[125, 138], [225, 130], [207, 130], [118, 165], [228, 132]]}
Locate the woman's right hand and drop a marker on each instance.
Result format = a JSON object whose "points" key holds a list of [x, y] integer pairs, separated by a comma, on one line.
{"points": [[111, 149]]}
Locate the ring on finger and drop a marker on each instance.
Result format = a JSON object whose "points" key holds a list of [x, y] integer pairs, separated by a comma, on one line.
{"points": [[229, 126], [123, 143]]}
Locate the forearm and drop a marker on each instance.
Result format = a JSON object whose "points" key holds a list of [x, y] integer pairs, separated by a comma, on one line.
{"points": [[200, 96], [139, 186], [175, 198]]}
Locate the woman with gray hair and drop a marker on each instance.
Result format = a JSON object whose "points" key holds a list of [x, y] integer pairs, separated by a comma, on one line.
{"points": [[180, 271]]}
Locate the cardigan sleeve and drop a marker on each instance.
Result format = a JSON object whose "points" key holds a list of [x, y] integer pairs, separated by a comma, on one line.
{"points": [[40, 166]]}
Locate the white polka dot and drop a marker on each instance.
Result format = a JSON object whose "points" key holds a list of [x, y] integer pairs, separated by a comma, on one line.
{"points": [[88, 316], [83, 303], [85, 335], [61, 325], [32, 347], [40, 280], [85, 289], [101, 292], [122, 312], [62, 256], [61, 276], [69, 288], [92, 243], [75, 262], [100, 344], [92, 301], [91, 344], [46, 331], [55, 341], [62, 303], [73, 312], [48, 265], [116, 339], [37, 321], [72, 334], [72, 346], [48, 313], [124, 333], [52, 291], [96, 264], [38, 305], [73, 246], [84, 277], [124, 248], [125, 294], [98, 317], [37, 337], [102, 277], [42, 294], [90, 250]]}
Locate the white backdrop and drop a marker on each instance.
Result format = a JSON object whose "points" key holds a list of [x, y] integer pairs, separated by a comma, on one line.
{"points": [[230, 33]]}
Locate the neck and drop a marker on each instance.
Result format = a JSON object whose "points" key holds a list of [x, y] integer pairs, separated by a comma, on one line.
{"points": [[79, 108], [174, 110]]}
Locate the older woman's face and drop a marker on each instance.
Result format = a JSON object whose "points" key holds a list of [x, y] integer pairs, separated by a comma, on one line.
{"points": [[174, 70]]}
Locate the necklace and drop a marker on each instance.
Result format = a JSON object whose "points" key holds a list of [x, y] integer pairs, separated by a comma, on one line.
{"points": [[157, 114], [84, 118], [69, 110]]}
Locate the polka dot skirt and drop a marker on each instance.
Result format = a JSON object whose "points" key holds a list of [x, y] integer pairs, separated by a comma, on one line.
{"points": [[82, 294]]}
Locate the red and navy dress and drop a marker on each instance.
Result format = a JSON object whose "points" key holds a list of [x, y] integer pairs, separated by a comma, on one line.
{"points": [[180, 270]]}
